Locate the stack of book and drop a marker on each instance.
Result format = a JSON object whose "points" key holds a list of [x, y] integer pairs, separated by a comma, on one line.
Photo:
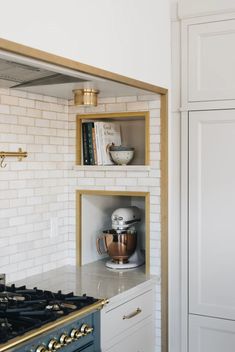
{"points": [[97, 136]]}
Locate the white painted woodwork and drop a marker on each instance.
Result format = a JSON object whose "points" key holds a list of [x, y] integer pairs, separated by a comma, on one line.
{"points": [[190, 8], [211, 213], [211, 58], [135, 334], [139, 339], [111, 167], [210, 334]]}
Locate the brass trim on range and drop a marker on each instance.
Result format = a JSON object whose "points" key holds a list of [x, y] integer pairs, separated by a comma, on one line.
{"points": [[80, 193], [50, 326], [120, 115]]}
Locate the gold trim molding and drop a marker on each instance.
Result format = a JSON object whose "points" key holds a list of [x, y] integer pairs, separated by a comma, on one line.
{"points": [[80, 193], [110, 116], [75, 65], [50, 326], [43, 56]]}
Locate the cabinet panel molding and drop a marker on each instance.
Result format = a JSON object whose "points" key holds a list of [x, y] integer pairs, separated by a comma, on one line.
{"points": [[211, 57], [211, 213], [210, 334]]}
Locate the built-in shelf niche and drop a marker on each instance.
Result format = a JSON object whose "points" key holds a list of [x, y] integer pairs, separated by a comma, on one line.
{"points": [[94, 209], [134, 133]]}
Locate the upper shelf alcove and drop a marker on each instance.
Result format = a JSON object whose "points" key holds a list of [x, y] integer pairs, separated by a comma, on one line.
{"points": [[134, 130]]}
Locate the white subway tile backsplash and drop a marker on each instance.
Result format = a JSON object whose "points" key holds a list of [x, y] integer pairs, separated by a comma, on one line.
{"points": [[34, 112], [115, 107], [43, 185], [4, 109], [126, 181], [18, 110], [139, 105], [9, 100], [28, 103]]}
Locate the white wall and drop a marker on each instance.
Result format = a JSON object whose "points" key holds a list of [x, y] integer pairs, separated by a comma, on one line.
{"points": [[201, 7], [130, 37]]}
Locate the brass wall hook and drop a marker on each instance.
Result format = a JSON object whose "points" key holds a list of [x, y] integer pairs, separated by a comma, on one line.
{"points": [[20, 155], [2, 164]]}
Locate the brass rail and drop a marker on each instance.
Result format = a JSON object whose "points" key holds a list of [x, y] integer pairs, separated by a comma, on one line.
{"points": [[20, 155]]}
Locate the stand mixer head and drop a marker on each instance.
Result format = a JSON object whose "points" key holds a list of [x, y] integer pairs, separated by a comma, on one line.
{"points": [[125, 218]]}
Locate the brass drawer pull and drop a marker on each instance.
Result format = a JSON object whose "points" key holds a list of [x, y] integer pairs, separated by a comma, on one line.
{"points": [[132, 315]]}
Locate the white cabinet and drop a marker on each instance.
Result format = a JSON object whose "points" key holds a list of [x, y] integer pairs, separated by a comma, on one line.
{"points": [[211, 335], [127, 322], [212, 213], [189, 8], [211, 61], [140, 339], [208, 182]]}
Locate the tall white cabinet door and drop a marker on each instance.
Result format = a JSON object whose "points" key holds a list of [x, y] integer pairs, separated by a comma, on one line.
{"points": [[212, 213], [211, 60], [211, 335]]}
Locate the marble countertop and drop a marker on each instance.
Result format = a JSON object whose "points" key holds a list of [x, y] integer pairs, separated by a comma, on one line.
{"points": [[94, 279]]}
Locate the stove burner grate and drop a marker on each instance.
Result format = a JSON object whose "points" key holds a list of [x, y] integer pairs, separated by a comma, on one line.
{"points": [[22, 309]]}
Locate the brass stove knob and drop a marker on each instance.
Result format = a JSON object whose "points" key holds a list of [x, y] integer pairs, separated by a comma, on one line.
{"points": [[41, 348], [86, 329], [65, 339], [54, 345], [76, 334]]}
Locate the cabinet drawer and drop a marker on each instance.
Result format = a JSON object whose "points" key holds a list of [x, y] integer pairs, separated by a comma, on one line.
{"points": [[139, 339], [122, 317], [210, 334]]}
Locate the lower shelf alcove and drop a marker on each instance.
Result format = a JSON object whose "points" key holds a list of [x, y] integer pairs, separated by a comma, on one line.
{"points": [[94, 209]]}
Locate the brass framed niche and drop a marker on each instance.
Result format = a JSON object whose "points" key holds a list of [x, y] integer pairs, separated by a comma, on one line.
{"points": [[134, 131], [119, 196], [45, 57]]}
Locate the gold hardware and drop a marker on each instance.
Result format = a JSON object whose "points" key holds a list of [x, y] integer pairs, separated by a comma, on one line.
{"points": [[86, 329], [87, 97], [48, 327], [76, 334], [104, 302], [132, 315], [65, 339], [41, 348], [54, 345], [20, 155]]}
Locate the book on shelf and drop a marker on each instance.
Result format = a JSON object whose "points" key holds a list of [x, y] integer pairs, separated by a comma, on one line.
{"points": [[94, 145], [97, 136], [88, 143], [110, 133], [86, 159]]}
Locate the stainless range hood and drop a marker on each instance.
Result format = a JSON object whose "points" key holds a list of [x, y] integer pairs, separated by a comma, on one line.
{"points": [[17, 75]]}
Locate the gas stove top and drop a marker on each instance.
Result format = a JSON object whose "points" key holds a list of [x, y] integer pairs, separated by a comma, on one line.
{"points": [[23, 310]]}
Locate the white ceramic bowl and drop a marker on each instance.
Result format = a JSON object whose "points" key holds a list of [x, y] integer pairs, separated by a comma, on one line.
{"points": [[122, 157]]}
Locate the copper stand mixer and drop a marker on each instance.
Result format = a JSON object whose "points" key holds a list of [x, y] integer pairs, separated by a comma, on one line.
{"points": [[120, 243]]}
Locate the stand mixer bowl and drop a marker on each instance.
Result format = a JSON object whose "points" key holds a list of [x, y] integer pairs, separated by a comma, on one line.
{"points": [[119, 246]]}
